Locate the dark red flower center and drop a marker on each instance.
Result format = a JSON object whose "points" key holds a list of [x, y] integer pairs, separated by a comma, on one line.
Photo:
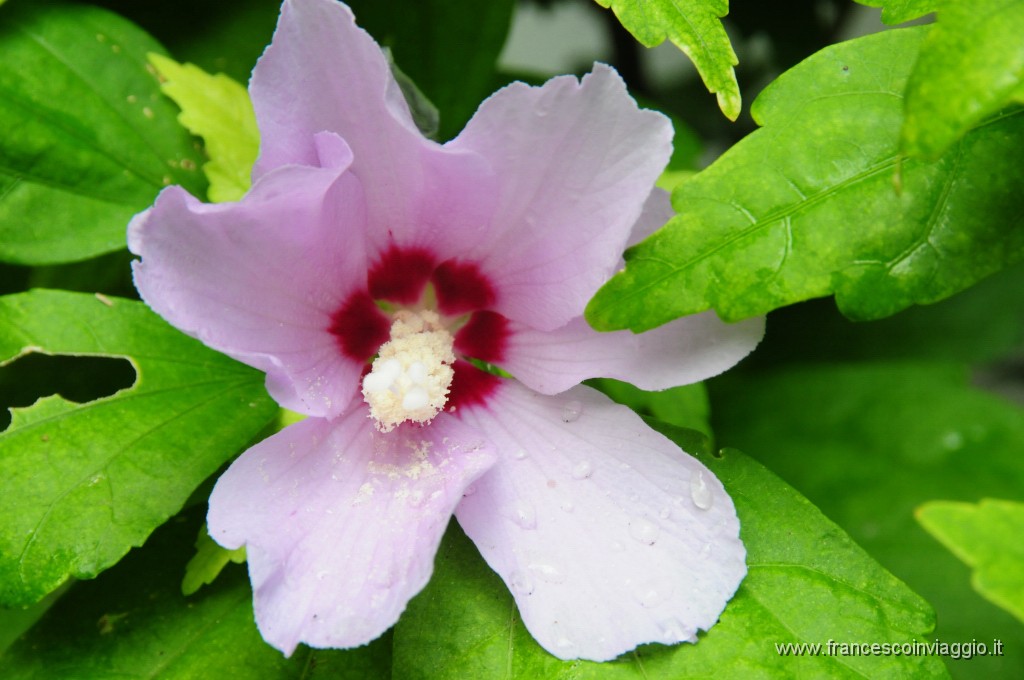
{"points": [[461, 289]]}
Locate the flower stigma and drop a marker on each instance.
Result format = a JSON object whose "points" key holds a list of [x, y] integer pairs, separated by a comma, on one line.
{"points": [[411, 376]]}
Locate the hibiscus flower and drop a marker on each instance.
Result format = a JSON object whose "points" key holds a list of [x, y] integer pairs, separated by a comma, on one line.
{"points": [[376, 276]]}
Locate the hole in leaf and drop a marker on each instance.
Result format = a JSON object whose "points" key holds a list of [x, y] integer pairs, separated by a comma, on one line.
{"points": [[78, 379]]}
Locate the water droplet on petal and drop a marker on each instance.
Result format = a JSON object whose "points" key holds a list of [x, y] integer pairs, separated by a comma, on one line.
{"points": [[525, 516], [665, 513], [582, 470], [567, 506], [548, 572], [564, 643], [416, 498], [653, 593], [521, 583], [705, 552], [673, 631], [470, 490], [571, 411], [617, 546], [519, 455], [384, 578], [699, 491], [644, 531]]}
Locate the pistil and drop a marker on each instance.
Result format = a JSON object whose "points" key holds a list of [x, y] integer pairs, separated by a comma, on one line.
{"points": [[411, 376]]}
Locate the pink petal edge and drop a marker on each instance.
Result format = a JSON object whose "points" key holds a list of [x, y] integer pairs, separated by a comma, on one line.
{"points": [[259, 279], [341, 523], [575, 162], [606, 533]]}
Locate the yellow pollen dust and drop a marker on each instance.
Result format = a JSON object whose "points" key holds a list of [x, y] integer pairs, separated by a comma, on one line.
{"points": [[410, 377]]}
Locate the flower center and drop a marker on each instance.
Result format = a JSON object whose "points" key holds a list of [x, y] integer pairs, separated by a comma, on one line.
{"points": [[410, 377]]}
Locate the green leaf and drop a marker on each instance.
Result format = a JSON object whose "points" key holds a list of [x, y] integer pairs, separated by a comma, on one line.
{"points": [[899, 11], [686, 406], [219, 110], [818, 201], [807, 582], [970, 67], [88, 140], [208, 562], [980, 325], [453, 62], [987, 537], [133, 622], [868, 442], [86, 482], [695, 27]]}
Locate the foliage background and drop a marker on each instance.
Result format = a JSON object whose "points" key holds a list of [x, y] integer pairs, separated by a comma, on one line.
{"points": [[867, 420]]}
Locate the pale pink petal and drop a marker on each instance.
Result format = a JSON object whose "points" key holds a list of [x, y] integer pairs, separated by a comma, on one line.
{"points": [[576, 161], [681, 352], [260, 279], [322, 72], [606, 533], [341, 522]]}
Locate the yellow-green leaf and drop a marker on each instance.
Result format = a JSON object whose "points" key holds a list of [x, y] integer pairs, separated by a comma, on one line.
{"points": [[219, 110], [695, 27], [209, 560], [987, 537]]}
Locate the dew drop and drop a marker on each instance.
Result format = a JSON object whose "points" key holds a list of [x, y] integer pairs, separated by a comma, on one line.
{"points": [[616, 546], [571, 411], [582, 470], [673, 631], [525, 516], [519, 455], [665, 513], [652, 594], [548, 572], [384, 578], [953, 440], [699, 492], [470, 490], [644, 531], [416, 498], [567, 506], [705, 552], [521, 583]]}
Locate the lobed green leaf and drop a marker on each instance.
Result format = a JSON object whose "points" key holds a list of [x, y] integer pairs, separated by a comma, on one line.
{"points": [[807, 582], [133, 622], [900, 11], [695, 27], [971, 65], [88, 140], [819, 201], [870, 441], [219, 110], [987, 537], [86, 482]]}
